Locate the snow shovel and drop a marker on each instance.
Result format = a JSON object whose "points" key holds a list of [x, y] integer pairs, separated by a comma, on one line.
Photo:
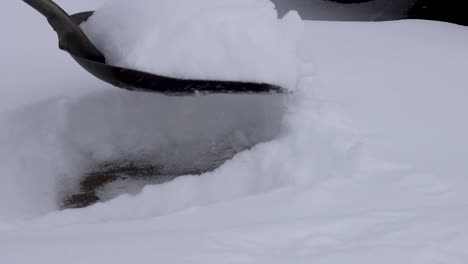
{"points": [[74, 41]]}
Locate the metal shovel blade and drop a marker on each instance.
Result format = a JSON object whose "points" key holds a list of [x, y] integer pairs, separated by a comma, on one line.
{"points": [[74, 41]]}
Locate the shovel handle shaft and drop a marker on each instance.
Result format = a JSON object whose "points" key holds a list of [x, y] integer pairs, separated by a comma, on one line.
{"points": [[71, 38], [47, 8]]}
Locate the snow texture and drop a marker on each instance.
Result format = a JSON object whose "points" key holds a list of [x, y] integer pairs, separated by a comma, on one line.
{"points": [[236, 40], [364, 163]]}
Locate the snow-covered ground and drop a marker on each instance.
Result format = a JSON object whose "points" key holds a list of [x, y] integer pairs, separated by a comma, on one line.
{"points": [[365, 163]]}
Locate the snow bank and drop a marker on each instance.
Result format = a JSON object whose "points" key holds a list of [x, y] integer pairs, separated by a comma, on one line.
{"points": [[239, 40]]}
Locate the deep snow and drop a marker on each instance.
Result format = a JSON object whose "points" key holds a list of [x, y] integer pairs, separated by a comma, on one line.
{"points": [[364, 163]]}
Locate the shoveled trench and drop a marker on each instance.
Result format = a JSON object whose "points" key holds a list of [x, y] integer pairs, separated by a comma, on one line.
{"points": [[125, 141]]}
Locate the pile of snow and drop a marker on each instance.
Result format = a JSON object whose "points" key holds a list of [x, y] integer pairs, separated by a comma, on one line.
{"points": [[239, 40]]}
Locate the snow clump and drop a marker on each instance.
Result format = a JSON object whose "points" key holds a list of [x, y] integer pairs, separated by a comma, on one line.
{"points": [[237, 40]]}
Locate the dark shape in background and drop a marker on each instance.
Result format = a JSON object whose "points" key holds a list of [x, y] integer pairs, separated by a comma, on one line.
{"points": [[351, 1], [454, 11]]}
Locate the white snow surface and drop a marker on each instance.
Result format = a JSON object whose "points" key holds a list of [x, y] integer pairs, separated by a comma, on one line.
{"points": [[364, 163], [237, 40]]}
